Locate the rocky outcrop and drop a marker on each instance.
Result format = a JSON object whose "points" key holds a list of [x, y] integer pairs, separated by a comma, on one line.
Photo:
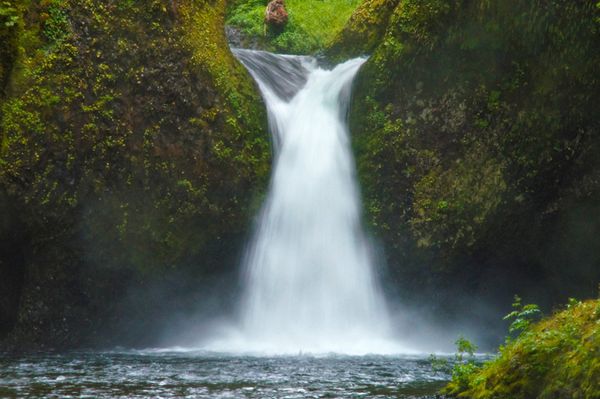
{"points": [[474, 128], [275, 14], [134, 149], [364, 30]]}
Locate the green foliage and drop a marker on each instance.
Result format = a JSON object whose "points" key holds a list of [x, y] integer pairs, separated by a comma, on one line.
{"points": [[56, 24], [364, 30], [464, 366], [558, 357], [9, 15], [439, 364], [248, 16], [464, 347], [522, 316], [311, 24], [10, 18], [573, 302], [462, 374], [293, 40]]}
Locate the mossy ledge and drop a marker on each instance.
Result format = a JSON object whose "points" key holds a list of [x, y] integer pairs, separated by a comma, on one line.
{"points": [[558, 358]]}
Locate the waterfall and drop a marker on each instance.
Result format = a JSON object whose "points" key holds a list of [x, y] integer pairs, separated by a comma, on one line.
{"points": [[310, 283]]}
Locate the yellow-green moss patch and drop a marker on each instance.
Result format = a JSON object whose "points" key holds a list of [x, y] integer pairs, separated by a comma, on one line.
{"points": [[558, 357]]}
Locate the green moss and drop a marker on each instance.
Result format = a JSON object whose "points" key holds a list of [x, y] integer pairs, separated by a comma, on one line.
{"points": [[451, 205], [363, 31], [56, 25], [210, 53], [133, 145], [558, 357], [68, 130], [469, 117], [10, 18]]}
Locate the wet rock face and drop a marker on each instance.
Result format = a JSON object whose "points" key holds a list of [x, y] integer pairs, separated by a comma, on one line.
{"points": [[275, 14], [238, 39], [148, 146], [474, 154]]}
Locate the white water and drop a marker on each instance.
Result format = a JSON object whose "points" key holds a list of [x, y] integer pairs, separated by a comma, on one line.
{"points": [[310, 283]]}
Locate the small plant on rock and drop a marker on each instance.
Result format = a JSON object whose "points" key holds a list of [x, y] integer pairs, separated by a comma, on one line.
{"points": [[465, 364], [522, 316]]}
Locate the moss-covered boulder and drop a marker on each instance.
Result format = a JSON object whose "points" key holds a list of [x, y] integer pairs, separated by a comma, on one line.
{"points": [[134, 146], [558, 358], [364, 30], [474, 125]]}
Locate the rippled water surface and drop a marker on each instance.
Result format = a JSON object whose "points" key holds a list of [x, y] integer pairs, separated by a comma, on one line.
{"points": [[201, 375]]}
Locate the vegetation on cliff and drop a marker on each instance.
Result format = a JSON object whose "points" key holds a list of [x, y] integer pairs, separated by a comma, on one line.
{"points": [[559, 357], [312, 25], [364, 30], [475, 128], [133, 146]]}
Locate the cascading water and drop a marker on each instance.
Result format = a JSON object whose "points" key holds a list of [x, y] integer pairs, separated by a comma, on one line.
{"points": [[310, 283]]}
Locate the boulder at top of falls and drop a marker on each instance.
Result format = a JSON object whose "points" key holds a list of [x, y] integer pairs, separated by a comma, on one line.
{"points": [[275, 14]]}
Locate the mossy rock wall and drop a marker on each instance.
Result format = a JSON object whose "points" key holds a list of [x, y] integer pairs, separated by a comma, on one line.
{"points": [[475, 128], [558, 357], [134, 148]]}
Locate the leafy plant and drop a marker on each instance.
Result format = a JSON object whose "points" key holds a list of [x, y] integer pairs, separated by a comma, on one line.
{"points": [[438, 364], [464, 349], [572, 302], [8, 14], [56, 26], [464, 346], [465, 364], [522, 316], [552, 358]]}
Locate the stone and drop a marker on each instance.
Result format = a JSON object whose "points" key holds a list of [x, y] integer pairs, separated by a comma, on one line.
{"points": [[275, 14]]}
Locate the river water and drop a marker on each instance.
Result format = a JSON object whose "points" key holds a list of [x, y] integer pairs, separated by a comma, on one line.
{"points": [[155, 374]]}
